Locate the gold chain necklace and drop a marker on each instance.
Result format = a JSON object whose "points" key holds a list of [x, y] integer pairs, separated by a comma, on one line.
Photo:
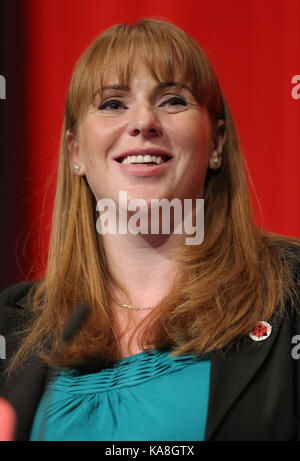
{"points": [[127, 306]]}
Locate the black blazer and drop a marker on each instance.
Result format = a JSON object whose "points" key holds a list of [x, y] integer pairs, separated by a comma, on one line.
{"points": [[254, 390]]}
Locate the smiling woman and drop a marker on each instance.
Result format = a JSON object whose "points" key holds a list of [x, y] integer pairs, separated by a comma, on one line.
{"points": [[171, 349]]}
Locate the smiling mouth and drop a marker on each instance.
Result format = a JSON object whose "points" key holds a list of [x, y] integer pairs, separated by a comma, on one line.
{"points": [[144, 160]]}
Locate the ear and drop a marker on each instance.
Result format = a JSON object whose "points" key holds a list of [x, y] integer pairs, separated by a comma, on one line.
{"points": [[73, 148], [219, 138]]}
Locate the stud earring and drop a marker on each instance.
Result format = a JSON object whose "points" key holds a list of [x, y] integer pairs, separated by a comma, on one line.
{"points": [[217, 161], [76, 169]]}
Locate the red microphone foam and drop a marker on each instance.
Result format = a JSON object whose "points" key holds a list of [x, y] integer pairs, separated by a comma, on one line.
{"points": [[7, 421]]}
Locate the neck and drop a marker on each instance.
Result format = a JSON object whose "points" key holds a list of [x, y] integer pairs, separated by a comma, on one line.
{"points": [[143, 265]]}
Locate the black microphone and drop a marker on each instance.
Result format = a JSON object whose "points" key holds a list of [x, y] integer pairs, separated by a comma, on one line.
{"points": [[72, 326], [74, 322]]}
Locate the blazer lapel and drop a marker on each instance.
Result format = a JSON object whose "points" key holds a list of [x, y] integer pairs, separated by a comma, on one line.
{"points": [[232, 371]]}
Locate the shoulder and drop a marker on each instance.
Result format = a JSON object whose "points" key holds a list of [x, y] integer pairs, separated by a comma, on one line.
{"points": [[288, 251], [12, 305], [290, 256], [15, 295], [287, 248]]}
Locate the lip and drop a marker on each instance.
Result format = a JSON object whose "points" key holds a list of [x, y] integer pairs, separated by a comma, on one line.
{"points": [[144, 170], [148, 151]]}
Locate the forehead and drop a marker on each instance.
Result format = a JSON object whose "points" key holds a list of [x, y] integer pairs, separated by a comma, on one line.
{"points": [[139, 76], [136, 73]]}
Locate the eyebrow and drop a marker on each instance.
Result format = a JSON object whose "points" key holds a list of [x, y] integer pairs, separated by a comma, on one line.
{"points": [[159, 86]]}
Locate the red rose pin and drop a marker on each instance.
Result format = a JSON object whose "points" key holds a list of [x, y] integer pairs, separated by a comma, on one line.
{"points": [[261, 331]]}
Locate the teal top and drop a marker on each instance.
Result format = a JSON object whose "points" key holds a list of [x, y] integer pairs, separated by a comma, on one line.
{"points": [[147, 396]]}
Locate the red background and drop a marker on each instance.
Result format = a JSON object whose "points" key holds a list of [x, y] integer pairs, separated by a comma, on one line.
{"points": [[254, 46]]}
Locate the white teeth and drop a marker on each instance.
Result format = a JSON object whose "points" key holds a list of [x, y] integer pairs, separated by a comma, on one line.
{"points": [[143, 159]]}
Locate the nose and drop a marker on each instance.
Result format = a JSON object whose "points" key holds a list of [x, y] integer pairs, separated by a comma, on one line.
{"points": [[144, 122]]}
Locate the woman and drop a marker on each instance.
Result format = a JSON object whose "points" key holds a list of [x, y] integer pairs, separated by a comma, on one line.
{"points": [[165, 352]]}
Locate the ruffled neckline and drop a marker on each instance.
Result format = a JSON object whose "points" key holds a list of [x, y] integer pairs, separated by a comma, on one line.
{"points": [[126, 372]]}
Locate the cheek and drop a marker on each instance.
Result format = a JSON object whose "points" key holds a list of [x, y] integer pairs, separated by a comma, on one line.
{"points": [[92, 147], [192, 136]]}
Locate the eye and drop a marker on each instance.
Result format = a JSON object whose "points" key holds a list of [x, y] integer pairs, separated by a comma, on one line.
{"points": [[112, 104], [176, 101]]}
